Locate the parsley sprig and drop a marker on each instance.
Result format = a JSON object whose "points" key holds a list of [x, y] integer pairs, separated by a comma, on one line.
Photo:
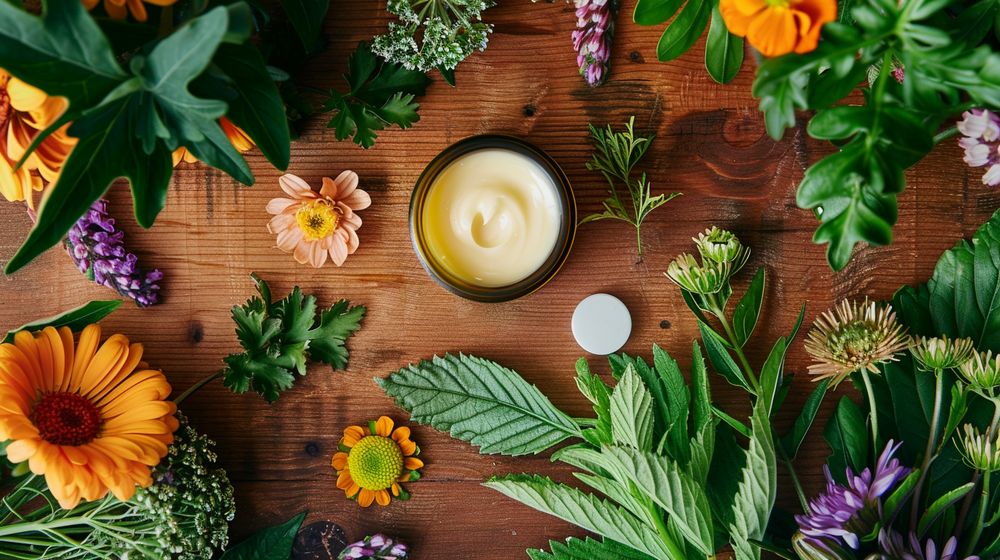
{"points": [[616, 155], [280, 337]]}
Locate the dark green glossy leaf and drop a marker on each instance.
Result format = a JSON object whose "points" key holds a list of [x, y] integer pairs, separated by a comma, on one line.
{"points": [[792, 441], [941, 504], [747, 310], [655, 12], [720, 359], [681, 34], [723, 50], [273, 543], [75, 319], [307, 18], [847, 434]]}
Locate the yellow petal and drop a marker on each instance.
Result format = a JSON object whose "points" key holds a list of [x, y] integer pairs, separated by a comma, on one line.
{"points": [[383, 427]]}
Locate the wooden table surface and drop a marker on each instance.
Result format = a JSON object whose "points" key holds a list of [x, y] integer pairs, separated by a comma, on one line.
{"points": [[710, 145]]}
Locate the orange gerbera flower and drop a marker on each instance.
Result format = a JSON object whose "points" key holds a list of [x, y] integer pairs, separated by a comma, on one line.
{"points": [[24, 112], [81, 414], [237, 138], [777, 27], [119, 9], [373, 460]]}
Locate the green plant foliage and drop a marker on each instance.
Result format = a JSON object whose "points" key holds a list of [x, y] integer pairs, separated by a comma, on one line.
{"points": [[381, 95], [272, 543], [306, 17], [723, 50], [853, 190], [586, 549], [757, 488], [480, 402], [280, 337], [76, 319]]}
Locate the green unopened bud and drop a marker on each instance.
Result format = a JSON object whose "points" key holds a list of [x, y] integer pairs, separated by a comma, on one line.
{"points": [[721, 246], [695, 278], [982, 372], [941, 352], [980, 452]]}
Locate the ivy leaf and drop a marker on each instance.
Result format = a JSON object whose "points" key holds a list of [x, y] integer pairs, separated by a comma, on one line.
{"points": [[583, 510], [587, 549], [381, 95], [273, 543], [75, 319], [480, 402]]}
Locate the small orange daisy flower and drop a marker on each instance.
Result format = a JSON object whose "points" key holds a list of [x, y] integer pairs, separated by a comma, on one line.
{"points": [[374, 459]]}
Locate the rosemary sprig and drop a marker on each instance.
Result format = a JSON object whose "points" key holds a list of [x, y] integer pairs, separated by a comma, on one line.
{"points": [[615, 156]]}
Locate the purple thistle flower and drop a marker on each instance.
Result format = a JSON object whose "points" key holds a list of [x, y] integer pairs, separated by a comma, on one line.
{"points": [[98, 249], [378, 547], [981, 129], [894, 546], [842, 515], [595, 29]]}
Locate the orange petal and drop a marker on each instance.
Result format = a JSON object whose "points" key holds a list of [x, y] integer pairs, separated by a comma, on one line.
{"points": [[395, 489], [407, 447], [352, 435], [366, 497], [383, 427], [412, 463], [820, 13], [339, 461], [401, 433], [736, 21], [382, 498], [344, 480], [774, 31]]}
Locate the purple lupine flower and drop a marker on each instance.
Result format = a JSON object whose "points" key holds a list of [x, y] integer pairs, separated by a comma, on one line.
{"points": [[894, 546], [843, 514], [98, 249], [981, 129], [378, 547], [595, 29]]}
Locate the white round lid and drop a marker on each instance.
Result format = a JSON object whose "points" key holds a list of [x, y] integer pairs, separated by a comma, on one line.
{"points": [[601, 324]]}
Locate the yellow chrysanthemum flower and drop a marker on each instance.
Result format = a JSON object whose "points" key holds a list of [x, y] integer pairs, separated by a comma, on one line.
{"points": [[374, 460], [239, 139], [89, 417], [24, 112]]}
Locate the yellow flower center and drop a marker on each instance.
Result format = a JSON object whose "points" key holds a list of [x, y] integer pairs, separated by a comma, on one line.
{"points": [[375, 463], [66, 419], [777, 3], [317, 219]]}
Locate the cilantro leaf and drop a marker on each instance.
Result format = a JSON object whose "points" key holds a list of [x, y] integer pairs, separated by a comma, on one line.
{"points": [[279, 338], [381, 95]]}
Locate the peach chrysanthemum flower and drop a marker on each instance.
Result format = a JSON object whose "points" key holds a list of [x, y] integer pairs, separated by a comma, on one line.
{"points": [[90, 417], [24, 112], [313, 225]]}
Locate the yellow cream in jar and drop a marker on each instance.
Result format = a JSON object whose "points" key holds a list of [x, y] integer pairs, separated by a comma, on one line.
{"points": [[492, 217]]}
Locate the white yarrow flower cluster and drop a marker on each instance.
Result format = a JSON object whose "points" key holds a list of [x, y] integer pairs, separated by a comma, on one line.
{"points": [[450, 31]]}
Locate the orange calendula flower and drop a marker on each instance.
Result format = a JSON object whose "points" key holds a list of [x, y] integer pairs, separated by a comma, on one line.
{"points": [[24, 112], [777, 27], [89, 417], [313, 225], [119, 9], [237, 138], [373, 460]]}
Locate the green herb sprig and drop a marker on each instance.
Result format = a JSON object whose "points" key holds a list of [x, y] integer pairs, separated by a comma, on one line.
{"points": [[616, 155]]}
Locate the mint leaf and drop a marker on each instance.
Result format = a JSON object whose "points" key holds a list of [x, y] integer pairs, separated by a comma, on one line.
{"points": [[631, 412], [480, 402], [381, 95], [587, 549], [758, 488]]}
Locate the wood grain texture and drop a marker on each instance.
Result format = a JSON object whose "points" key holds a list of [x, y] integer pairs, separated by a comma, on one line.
{"points": [[711, 146]]}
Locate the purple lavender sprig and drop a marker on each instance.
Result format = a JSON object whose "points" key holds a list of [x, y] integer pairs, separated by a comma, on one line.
{"points": [[595, 29], [980, 129], [378, 547], [98, 249]]}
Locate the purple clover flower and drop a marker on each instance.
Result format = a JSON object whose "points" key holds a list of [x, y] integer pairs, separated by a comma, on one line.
{"points": [[893, 545], [98, 249], [378, 547], [595, 28], [841, 515], [981, 129]]}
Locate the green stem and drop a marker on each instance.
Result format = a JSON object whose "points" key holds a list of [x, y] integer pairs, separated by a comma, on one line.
{"points": [[983, 504], [967, 502], [872, 412], [654, 513], [795, 477], [945, 134], [638, 240], [929, 450], [720, 313], [191, 390]]}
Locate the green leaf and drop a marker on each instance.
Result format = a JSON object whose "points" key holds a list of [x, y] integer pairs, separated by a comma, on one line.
{"points": [[586, 549], [771, 375], [306, 17], [701, 405], [681, 34], [675, 399], [257, 107], [747, 311], [631, 412], [381, 95], [655, 12], [847, 435], [599, 394], [758, 488], [75, 319], [723, 50], [720, 359], [942, 504], [792, 441], [736, 425], [336, 325], [583, 510], [273, 543], [902, 492], [480, 402], [673, 489]]}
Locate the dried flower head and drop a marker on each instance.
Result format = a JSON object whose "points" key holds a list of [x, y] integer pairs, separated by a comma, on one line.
{"points": [[853, 337], [686, 272], [980, 451], [377, 547], [982, 372], [980, 129], [941, 352], [721, 246]]}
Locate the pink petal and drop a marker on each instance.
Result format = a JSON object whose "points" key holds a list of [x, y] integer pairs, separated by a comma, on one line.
{"points": [[338, 252], [353, 220], [346, 183], [358, 200], [317, 255], [294, 186], [352, 240], [289, 239], [281, 222], [302, 251], [279, 205]]}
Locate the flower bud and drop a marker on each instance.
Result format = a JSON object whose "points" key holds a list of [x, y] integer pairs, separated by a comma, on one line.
{"points": [[721, 246], [941, 352], [704, 279], [980, 452]]}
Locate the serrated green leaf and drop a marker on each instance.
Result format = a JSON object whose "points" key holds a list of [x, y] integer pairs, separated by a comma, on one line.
{"points": [[76, 319], [758, 488], [701, 398], [586, 549], [599, 394], [631, 412], [480, 402], [583, 510], [273, 543], [747, 310], [675, 399], [327, 340]]}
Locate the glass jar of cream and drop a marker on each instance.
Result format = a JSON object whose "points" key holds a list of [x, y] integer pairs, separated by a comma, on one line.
{"points": [[492, 218]]}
